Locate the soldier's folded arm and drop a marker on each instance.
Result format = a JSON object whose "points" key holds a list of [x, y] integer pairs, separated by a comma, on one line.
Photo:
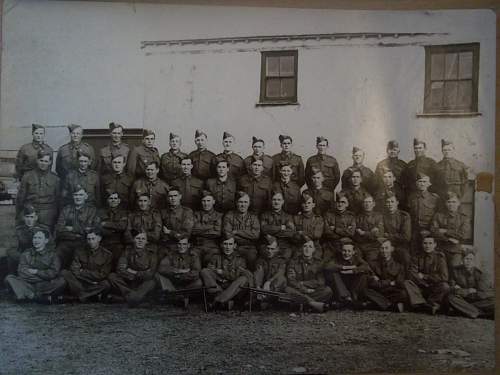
{"points": [[53, 270]]}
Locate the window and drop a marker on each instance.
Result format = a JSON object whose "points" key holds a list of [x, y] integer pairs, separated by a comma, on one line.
{"points": [[278, 82], [451, 78]]}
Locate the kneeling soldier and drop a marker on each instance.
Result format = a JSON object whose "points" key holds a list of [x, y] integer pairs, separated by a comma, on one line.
{"points": [[38, 271], [134, 277], [90, 268]]}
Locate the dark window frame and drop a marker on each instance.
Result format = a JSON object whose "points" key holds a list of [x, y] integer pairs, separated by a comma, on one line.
{"points": [[266, 100], [429, 108]]}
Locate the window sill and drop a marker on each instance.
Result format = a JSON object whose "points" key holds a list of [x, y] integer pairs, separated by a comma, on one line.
{"points": [[272, 104], [450, 114]]}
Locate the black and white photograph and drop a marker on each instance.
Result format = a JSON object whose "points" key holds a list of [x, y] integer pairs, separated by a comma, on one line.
{"points": [[247, 187]]}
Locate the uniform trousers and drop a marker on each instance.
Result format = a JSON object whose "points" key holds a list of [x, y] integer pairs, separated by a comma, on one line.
{"points": [[27, 290]]}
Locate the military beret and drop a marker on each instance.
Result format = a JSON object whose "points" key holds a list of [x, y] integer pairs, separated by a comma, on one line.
{"points": [[147, 132], [172, 136], [114, 125], [83, 153], [96, 229], [421, 176], [45, 232], [356, 149], [240, 194], [417, 141], [199, 133], [451, 195], [29, 209], [282, 137], [315, 169], [206, 193], [36, 126], [77, 188], [321, 139], [42, 153], [226, 135], [346, 241], [446, 142], [392, 144], [72, 127], [135, 232], [269, 239], [284, 163], [256, 140]]}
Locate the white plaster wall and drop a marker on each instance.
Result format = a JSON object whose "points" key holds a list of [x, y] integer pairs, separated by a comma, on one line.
{"points": [[81, 62]]}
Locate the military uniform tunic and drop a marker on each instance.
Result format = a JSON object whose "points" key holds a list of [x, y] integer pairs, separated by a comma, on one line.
{"points": [[114, 223], [202, 163], [355, 197], [246, 231], [157, 191], [119, 183], [422, 207], [89, 180], [224, 193], [179, 221], [397, 228], [191, 188], [454, 176], [272, 270], [149, 221], [457, 226], [170, 280], [295, 162], [234, 162], [323, 198], [280, 225], [382, 193], [291, 195], [368, 180], [24, 236], [267, 162], [367, 242], [328, 166], [380, 290], [348, 277], [27, 156], [423, 164], [259, 191], [170, 165], [139, 158], [303, 274], [396, 165], [206, 233], [108, 153], [67, 157], [337, 225]]}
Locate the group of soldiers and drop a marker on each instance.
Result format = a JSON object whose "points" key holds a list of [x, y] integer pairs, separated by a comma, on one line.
{"points": [[131, 223]]}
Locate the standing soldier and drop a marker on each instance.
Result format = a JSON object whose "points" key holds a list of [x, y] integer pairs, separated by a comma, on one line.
{"points": [[326, 163], [114, 223], [27, 154], [152, 185], [223, 187], [141, 156], [421, 164], [258, 147], [118, 181], [393, 163], [201, 157], [288, 188], [40, 188], [323, 197], [309, 224], [145, 219], [257, 185], [453, 173], [368, 177], [386, 187], [234, 161], [356, 193], [189, 185], [67, 156], [115, 148], [170, 164], [85, 177], [295, 161], [369, 227]]}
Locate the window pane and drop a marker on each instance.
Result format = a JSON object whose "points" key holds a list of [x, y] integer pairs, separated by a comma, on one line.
{"points": [[451, 66], [273, 88], [437, 66], [287, 67], [464, 98], [272, 66], [287, 87], [450, 94], [465, 66], [437, 94]]}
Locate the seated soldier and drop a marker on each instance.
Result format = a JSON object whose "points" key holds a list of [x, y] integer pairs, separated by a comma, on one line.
{"points": [[207, 229], [308, 224], [226, 273], [244, 226], [85, 177], [38, 272], [190, 186], [134, 277], [279, 224], [323, 197], [347, 272], [355, 192], [257, 185], [90, 268], [470, 294], [179, 269], [428, 283], [114, 222], [24, 235], [146, 219], [118, 181], [386, 284], [369, 226], [305, 279], [223, 187], [151, 185], [70, 227], [288, 188]]}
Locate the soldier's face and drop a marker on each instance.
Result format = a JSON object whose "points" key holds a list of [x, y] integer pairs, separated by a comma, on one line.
{"points": [[368, 204], [83, 163], [419, 150], [151, 171], [347, 251], [242, 204], [149, 141], [227, 143], [30, 219], [322, 147], [272, 250], [308, 249], [447, 151], [222, 169], [113, 200], [143, 203], [469, 261], [175, 143], [76, 135], [358, 157], [423, 184], [174, 198], [39, 135], [44, 163], [277, 202], [116, 135], [118, 164], [342, 204], [388, 179], [258, 148], [93, 240], [200, 142], [186, 167], [228, 246], [257, 167], [356, 179], [391, 204], [286, 172], [317, 180], [207, 203], [393, 152], [386, 250], [39, 241], [141, 240], [452, 204], [183, 246], [308, 205], [429, 245], [80, 197], [286, 145]]}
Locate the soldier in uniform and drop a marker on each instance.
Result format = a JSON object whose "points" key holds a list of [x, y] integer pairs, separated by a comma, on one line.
{"points": [[356, 193], [288, 188], [393, 163], [305, 279], [294, 160], [40, 188], [189, 185], [141, 156], [134, 277], [115, 148], [207, 228], [177, 221], [85, 177], [327, 164], [38, 272], [90, 268], [170, 163], [369, 227], [145, 219], [114, 221], [258, 147], [27, 154], [117, 181], [428, 282], [450, 227], [270, 268], [234, 161], [201, 157], [323, 197], [71, 225], [223, 187], [152, 185], [67, 155], [387, 186], [421, 164], [279, 224], [453, 173], [369, 182], [309, 224], [244, 227], [226, 273], [470, 294], [257, 185]]}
